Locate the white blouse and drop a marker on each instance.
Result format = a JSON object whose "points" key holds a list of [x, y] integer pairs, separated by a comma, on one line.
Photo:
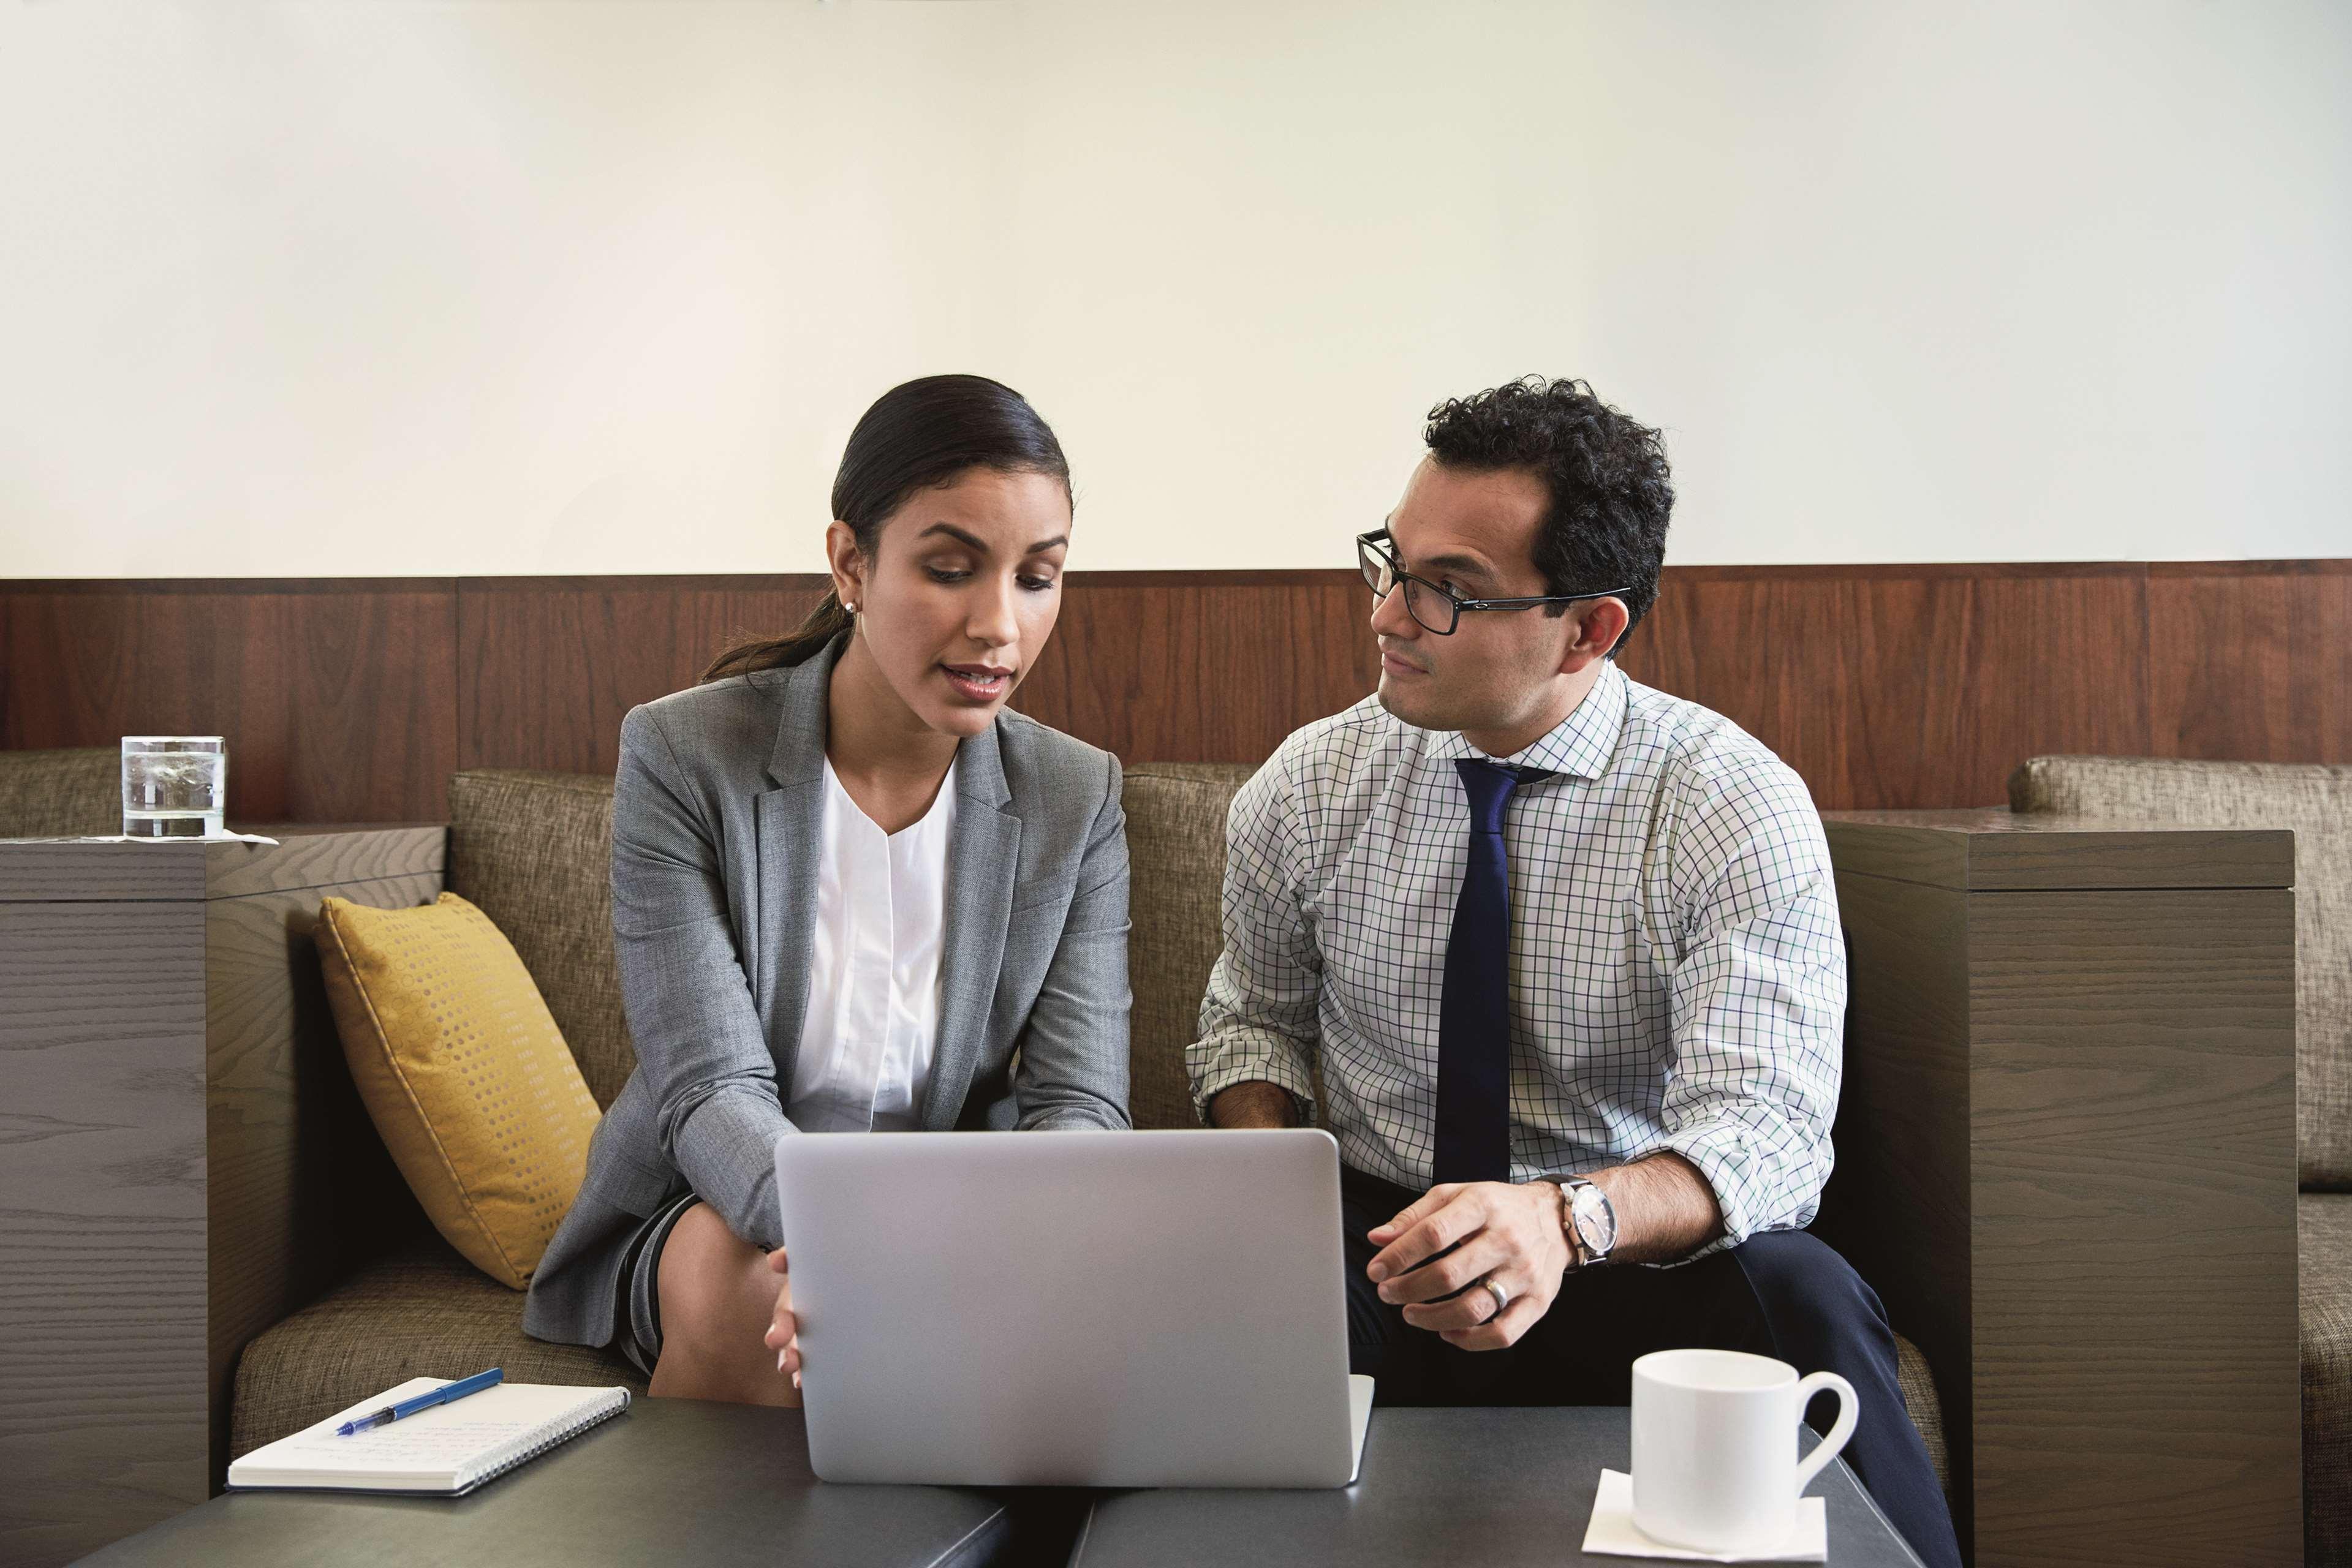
{"points": [[870, 1031]]}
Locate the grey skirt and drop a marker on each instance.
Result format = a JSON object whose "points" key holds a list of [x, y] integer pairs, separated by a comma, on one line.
{"points": [[636, 1296]]}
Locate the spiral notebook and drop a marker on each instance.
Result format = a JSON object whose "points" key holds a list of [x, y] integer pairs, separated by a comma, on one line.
{"points": [[445, 1451]]}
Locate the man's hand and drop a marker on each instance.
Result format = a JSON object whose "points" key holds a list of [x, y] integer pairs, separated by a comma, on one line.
{"points": [[1253, 1103], [1508, 1234], [784, 1335]]}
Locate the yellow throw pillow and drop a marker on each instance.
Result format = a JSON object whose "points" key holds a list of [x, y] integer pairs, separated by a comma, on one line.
{"points": [[464, 1073]]}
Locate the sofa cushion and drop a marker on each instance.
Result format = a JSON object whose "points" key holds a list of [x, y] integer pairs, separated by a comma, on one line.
{"points": [[60, 794], [1176, 842], [1924, 1405], [2323, 1228], [533, 852], [420, 1312], [2316, 803], [463, 1072]]}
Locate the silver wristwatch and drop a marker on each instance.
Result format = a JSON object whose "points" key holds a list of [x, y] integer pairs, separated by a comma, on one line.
{"points": [[1590, 1222]]}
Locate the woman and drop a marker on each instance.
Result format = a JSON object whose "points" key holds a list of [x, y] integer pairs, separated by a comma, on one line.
{"points": [[850, 892]]}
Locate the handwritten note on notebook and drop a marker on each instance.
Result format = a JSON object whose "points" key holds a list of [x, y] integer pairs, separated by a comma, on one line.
{"points": [[450, 1448]]}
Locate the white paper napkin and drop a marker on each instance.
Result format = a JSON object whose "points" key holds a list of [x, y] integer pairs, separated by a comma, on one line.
{"points": [[191, 839], [1614, 1533]]}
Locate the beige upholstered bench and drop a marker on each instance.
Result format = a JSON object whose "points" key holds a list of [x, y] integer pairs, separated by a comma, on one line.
{"points": [[532, 850]]}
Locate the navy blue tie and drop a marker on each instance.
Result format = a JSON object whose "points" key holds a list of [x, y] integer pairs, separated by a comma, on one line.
{"points": [[1474, 1021]]}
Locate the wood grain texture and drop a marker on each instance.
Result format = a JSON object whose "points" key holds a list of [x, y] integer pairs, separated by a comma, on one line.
{"points": [[284, 1187], [300, 1187], [1885, 686], [550, 666], [1209, 672], [1897, 1205], [2133, 1177], [2247, 664], [2073, 1185], [324, 860], [1989, 849], [39, 870], [1156, 671], [1891, 690], [101, 1222], [338, 700]]}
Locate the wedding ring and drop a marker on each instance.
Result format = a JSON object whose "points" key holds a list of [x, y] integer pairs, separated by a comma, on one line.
{"points": [[1502, 1296]]}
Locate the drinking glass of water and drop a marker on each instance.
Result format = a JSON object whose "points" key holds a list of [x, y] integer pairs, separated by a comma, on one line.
{"points": [[174, 786]]}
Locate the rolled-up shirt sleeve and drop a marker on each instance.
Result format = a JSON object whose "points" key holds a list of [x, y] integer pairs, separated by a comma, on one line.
{"points": [[1757, 999], [1258, 1018]]}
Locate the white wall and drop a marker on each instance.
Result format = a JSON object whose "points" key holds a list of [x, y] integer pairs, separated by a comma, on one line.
{"points": [[370, 288]]}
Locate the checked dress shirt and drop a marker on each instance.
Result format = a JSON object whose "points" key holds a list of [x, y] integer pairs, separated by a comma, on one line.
{"points": [[1677, 977]]}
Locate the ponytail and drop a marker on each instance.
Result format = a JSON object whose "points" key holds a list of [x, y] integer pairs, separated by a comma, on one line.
{"points": [[798, 646]]}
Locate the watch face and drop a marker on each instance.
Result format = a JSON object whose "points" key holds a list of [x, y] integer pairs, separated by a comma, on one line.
{"points": [[1596, 1222]]}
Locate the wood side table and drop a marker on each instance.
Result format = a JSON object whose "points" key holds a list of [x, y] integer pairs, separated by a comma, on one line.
{"points": [[170, 1076], [2073, 1042]]}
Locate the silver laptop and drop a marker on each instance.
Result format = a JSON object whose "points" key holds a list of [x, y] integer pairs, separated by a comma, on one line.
{"points": [[1086, 1308]]}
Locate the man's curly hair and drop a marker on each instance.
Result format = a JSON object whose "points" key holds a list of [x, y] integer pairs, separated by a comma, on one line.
{"points": [[1610, 492]]}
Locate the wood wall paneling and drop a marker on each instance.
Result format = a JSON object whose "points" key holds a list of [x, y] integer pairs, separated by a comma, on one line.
{"points": [[1180, 667], [337, 698], [2252, 663], [1908, 687], [547, 667], [1883, 686]]}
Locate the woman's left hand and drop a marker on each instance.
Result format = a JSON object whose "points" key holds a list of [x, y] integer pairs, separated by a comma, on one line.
{"points": [[783, 1334]]}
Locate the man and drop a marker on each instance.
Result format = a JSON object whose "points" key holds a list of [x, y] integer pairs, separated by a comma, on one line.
{"points": [[1566, 950]]}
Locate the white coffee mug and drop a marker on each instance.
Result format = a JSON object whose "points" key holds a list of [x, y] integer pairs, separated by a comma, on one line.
{"points": [[1714, 1446]]}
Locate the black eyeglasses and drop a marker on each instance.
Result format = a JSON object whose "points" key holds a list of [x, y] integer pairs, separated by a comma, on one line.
{"points": [[1436, 609]]}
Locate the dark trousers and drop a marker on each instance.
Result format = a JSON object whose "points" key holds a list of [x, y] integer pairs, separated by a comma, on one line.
{"points": [[1781, 1293]]}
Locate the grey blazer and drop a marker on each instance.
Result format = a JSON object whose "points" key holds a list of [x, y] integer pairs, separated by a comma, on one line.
{"points": [[717, 810]]}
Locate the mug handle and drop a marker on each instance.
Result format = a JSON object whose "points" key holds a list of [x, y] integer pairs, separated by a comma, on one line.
{"points": [[1849, 1411]]}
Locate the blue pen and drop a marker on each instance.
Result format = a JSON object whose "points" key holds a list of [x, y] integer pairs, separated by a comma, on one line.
{"points": [[425, 1401]]}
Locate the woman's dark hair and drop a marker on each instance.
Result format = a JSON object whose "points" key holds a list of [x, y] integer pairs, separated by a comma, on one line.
{"points": [[1610, 492], [917, 437]]}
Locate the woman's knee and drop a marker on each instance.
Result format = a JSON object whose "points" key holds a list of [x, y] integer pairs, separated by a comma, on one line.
{"points": [[704, 1271]]}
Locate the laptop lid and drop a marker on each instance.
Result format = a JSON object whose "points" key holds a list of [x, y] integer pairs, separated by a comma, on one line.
{"points": [[1072, 1308]]}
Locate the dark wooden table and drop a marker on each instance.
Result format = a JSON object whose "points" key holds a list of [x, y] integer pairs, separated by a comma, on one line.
{"points": [[674, 1480], [1482, 1489], [683, 1481]]}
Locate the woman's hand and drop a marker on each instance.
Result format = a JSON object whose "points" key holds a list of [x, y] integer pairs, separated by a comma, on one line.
{"points": [[783, 1334]]}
